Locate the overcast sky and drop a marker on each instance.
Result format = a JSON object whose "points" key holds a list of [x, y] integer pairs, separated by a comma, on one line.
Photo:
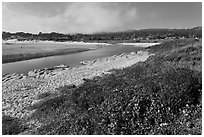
{"points": [[98, 17]]}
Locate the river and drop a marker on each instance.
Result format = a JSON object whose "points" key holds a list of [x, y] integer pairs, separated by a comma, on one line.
{"points": [[72, 60]]}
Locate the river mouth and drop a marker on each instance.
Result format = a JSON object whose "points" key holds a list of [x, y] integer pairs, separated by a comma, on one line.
{"points": [[71, 60]]}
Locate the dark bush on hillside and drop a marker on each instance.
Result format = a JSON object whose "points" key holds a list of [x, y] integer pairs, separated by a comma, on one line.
{"points": [[11, 126], [43, 95]]}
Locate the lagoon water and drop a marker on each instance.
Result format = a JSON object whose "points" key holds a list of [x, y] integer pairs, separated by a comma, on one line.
{"points": [[72, 60]]}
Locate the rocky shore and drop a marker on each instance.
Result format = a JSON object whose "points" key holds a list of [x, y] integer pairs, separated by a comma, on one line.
{"points": [[20, 91]]}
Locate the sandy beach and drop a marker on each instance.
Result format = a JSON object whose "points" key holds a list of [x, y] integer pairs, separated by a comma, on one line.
{"points": [[140, 44]]}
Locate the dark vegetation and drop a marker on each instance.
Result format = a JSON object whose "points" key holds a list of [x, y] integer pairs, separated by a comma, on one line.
{"points": [[12, 126], [159, 96], [143, 35], [19, 57]]}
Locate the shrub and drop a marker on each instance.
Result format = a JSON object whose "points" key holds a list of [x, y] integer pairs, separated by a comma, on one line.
{"points": [[43, 95], [11, 126]]}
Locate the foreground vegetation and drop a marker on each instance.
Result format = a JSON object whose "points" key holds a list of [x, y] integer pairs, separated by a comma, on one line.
{"points": [[159, 96]]}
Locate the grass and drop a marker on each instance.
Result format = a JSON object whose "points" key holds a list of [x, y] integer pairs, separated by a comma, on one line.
{"points": [[159, 96], [20, 57]]}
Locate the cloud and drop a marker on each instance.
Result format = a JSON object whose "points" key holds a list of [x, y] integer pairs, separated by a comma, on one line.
{"points": [[68, 17]]}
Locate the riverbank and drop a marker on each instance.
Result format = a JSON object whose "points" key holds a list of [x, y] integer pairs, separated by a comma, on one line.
{"points": [[140, 44], [13, 50], [26, 56], [20, 91]]}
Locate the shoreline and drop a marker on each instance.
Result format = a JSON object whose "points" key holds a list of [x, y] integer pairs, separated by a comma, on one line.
{"points": [[143, 44], [27, 56], [25, 50], [140, 44], [22, 56], [14, 41], [20, 91]]}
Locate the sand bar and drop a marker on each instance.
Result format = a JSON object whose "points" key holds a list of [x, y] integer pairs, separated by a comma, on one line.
{"points": [[140, 44]]}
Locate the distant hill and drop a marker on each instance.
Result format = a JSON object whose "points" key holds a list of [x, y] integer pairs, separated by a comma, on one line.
{"points": [[197, 28], [137, 35], [150, 29]]}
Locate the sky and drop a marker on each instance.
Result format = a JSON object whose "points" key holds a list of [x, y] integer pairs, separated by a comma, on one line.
{"points": [[97, 17]]}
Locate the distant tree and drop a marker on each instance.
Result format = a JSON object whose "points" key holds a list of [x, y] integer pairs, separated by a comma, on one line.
{"points": [[6, 35], [40, 33]]}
